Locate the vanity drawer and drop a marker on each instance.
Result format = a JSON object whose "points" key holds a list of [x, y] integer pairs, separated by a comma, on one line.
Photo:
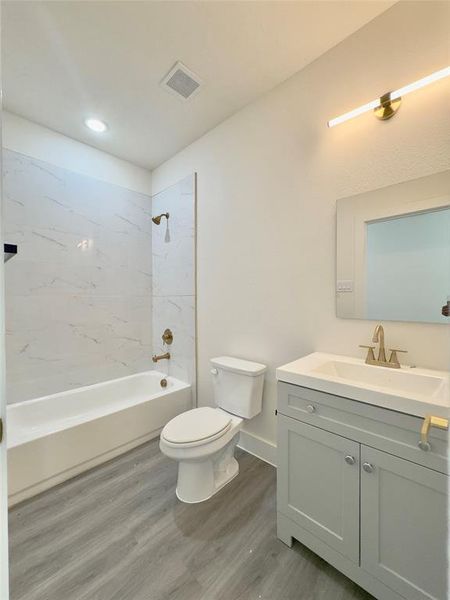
{"points": [[387, 430]]}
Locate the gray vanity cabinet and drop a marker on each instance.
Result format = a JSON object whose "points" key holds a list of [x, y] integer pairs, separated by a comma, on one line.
{"points": [[348, 489], [404, 525], [319, 486]]}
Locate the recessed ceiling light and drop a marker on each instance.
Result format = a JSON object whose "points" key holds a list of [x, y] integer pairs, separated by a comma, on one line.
{"points": [[96, 125]]}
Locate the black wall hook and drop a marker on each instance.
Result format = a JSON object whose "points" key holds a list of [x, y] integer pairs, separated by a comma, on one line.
{"points": [[9, 250]]}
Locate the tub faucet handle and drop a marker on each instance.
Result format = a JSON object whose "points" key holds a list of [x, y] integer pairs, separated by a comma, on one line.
{"points": [[167, 336]]}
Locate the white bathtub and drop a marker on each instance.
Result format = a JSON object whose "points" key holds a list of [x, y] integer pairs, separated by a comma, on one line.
{"points": [[53, 438]]}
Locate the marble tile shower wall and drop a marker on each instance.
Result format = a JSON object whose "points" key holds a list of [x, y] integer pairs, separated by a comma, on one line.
{"points": [[78, 294], [174, 278]]}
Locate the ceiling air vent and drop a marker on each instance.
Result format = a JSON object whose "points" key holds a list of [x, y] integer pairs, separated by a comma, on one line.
{"points": [[181, 81]]}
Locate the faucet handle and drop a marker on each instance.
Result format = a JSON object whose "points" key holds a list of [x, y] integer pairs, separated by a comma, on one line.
{"points": [[370, 355], [393, 359]]}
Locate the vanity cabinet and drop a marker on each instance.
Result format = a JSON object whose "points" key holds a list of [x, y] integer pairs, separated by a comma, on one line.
{"points": [[355, 488], [318, 486], [403, 525]]}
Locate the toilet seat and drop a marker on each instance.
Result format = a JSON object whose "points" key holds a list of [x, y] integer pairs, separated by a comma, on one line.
{"points": [[195, 427]]}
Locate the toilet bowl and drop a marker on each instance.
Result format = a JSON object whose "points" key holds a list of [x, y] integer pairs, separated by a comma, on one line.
{"points": [[203, 440], [206, 464]]}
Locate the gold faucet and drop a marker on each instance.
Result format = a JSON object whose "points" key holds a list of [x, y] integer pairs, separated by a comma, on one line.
{"points": [[157, 357], [381, 361], [378, 338]]}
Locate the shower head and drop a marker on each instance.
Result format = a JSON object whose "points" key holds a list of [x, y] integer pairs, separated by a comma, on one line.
{"points": [[157, 220]]}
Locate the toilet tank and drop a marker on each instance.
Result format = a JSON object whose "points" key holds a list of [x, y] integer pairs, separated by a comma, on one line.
{"points": [[238, 385]]}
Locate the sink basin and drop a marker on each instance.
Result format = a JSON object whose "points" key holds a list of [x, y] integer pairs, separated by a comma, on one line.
{"points": [[393, 380], [413, 391]]}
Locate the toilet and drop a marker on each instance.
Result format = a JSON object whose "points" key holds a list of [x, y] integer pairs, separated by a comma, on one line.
{"points": [[203, 440]]}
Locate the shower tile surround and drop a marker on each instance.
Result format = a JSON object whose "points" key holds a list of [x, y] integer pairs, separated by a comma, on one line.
{"points": [[173, 270], [81, 303], [78, 294]]}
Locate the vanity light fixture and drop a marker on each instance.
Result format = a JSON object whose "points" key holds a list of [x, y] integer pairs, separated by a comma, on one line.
{"points": [[387, 105], [96, 125]]}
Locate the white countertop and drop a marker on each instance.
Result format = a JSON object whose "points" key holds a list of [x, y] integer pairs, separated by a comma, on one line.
{"points": [[413, 391]]}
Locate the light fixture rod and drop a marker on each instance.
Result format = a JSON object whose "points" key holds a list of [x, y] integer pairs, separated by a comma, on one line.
{"points": [[354, 113], [407, 89], [420, 83]]}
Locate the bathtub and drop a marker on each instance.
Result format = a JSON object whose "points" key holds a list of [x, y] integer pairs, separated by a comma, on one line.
{"points": [[54, 438]]}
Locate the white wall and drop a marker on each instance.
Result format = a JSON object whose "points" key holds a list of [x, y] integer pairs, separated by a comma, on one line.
{"points": [[36, 141], [268, 180]]}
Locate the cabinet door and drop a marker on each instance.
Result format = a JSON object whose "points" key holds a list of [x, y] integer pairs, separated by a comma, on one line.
{"points": [[318, 483], [404, 525]]}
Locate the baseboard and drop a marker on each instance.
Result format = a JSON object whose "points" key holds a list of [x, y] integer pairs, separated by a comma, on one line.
{"points": [[58, 478], [259, 447]]}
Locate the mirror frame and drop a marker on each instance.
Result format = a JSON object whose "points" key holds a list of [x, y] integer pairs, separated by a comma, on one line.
{"points": [[353, 213]]}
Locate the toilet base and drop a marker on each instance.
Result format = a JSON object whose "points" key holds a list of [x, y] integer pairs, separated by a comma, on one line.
{"points": [[199, 480]]}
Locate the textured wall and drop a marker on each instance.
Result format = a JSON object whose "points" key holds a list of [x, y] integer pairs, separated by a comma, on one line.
{"points": [[174, 278], [268, 180], [78, 295]]}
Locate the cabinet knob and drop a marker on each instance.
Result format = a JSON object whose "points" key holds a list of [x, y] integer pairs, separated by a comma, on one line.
{"points": [[368, 468], [350, 460], [214, 371], [310, 408]]}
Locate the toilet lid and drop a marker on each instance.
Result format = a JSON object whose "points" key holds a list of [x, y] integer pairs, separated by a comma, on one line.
{"points": [[195, 425]]}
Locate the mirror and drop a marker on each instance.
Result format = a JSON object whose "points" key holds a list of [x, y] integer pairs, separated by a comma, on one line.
{"points": [[393, 252]]}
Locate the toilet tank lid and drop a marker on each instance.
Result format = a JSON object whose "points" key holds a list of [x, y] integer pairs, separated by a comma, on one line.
{"points": [[238, 365]]}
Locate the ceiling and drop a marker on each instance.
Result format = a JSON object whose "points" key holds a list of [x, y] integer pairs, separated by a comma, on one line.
{"points": [[65, 61]]}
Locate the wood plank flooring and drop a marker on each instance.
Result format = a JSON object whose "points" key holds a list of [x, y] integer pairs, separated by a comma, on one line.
{"points": [[118, 532]]}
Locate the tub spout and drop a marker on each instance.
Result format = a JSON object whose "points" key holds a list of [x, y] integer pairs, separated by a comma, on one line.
{"points": [[157, 357]]}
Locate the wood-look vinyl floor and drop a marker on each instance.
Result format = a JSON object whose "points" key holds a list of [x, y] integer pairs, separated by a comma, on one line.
{"points": [[118, 532]]}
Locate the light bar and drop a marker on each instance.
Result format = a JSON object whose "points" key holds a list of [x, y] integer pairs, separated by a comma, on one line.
{"points": [[397, 94], [354, 113], [407, 89]]}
